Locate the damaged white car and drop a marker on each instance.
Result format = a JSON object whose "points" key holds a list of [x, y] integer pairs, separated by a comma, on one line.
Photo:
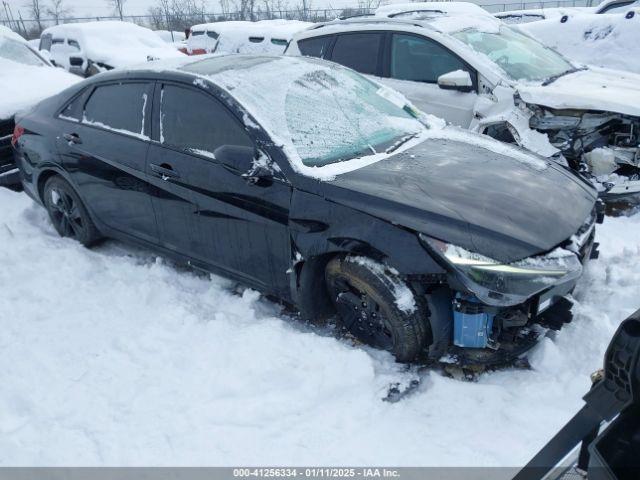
{"points": [[458, 62]]}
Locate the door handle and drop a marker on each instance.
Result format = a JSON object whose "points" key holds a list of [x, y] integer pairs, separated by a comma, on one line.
{"points": [[72, 138], [164, 171]]}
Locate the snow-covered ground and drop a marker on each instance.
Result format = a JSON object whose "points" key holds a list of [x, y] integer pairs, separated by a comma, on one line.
{"points": [[112, 356]]}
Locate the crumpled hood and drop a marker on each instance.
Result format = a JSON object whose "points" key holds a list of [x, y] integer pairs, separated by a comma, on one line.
{"points": [[591, 89], [491, 203]]}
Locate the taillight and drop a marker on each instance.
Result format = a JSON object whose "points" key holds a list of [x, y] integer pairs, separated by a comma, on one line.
{"points": [[17, 133]]}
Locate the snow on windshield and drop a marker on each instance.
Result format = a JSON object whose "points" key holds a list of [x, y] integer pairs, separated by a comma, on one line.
{"points": [[18, 51], [319, 113]]}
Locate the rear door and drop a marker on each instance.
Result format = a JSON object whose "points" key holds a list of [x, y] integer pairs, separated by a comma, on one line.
{"points": [[204, 209], [104, 144], [361, 51], [414, 65]]}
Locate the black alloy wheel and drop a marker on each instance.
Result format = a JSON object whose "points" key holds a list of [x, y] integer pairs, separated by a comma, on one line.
{"points": [[67, 213], [364, 296]]}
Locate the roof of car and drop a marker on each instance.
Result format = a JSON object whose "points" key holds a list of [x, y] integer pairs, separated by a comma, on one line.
{"points": [[445, 17]]}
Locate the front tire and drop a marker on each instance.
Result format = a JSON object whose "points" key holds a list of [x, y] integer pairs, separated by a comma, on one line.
{"points": [[377, 307], [67, 212]]}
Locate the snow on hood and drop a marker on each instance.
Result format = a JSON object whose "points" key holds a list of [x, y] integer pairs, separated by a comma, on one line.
{"points": [[607, 40], [23, 85], [116, 43], [590, 89]]}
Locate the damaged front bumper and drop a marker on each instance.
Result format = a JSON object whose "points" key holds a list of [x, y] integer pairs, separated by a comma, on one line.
{"points": [[499, 310]]}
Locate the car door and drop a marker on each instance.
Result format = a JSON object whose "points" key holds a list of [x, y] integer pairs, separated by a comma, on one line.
{"points": [[414, 65], [207, 211], [103, 145], [361, 51]]}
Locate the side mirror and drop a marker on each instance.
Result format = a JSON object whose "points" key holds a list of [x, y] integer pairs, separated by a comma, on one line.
{"points": [[235, 157], [457, 80], [253, 167]]}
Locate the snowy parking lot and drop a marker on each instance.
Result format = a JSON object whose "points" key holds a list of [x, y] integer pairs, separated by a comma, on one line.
{"points": [[113, 356]]}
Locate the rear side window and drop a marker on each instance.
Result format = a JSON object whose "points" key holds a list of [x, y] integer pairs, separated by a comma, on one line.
{"points": [[118, 107], [422, 60], [73, 110], [359, 51], [195, 122], [315, 47]]}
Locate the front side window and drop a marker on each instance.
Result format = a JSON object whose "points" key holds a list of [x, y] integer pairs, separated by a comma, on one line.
{"points": [[315, 47], [118, 107], [18, 52], [195, 122], [359, 51], [521, 57], [421, 60]]}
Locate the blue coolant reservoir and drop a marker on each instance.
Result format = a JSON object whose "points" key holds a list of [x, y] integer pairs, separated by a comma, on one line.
{"points": [[471, 323]]}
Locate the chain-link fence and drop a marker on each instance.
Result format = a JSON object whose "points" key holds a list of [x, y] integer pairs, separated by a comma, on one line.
{"points": [[176, 20]]}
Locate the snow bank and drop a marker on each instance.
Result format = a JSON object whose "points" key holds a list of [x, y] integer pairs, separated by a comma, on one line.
{"points": [[114, 357], [607, 40], [25, 85]]}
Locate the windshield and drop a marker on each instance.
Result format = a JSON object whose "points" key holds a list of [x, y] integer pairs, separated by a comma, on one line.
{"points": [[335, 115], [521, 57], [18, 52]]}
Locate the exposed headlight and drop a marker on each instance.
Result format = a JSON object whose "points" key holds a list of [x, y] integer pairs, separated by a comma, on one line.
{"points": [[497, 283]]}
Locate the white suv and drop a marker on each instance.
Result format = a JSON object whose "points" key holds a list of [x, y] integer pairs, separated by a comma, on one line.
{"points": [[458, 62]]}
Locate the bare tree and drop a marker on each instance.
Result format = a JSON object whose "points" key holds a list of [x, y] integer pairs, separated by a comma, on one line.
{"points": [[58, 10], [34, 7], [118, 6]]}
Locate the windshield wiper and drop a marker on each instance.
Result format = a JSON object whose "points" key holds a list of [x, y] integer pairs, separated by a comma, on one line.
{"points": [[400, 142], [553, 78]]}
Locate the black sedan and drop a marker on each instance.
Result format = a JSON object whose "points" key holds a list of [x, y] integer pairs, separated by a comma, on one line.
{"points": [[314, 185]]}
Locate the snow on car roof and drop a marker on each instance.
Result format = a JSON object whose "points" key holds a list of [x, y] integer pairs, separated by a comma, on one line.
{"points": [[272, 28], [445, 17], [447, 8], [115, 43]]}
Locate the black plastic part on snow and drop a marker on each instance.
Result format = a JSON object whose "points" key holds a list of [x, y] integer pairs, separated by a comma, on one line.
{"points": [[613, 452]]}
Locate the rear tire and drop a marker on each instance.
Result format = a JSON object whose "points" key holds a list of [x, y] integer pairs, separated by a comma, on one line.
{"points": [[67, 212], [377, 307]]}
